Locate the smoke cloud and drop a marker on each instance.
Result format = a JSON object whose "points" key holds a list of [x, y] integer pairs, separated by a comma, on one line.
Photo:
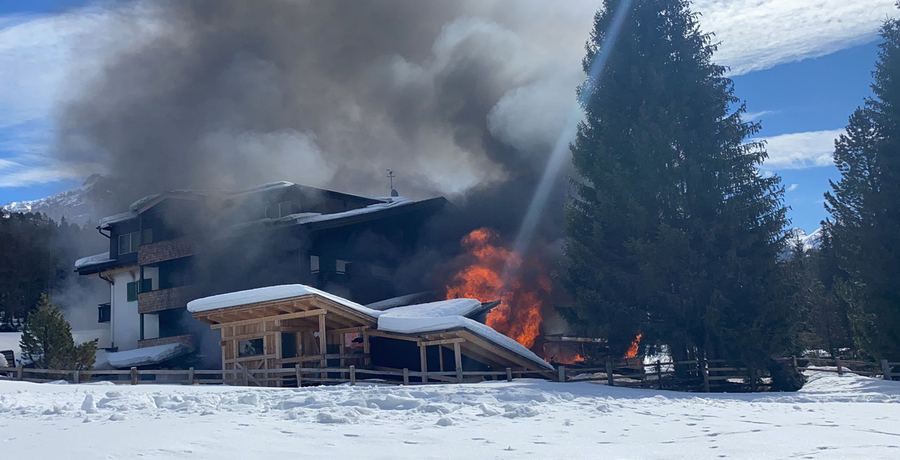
{"points": [[463, 99]]}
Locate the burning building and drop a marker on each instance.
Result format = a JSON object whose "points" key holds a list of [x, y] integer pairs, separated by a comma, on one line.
{"points": [[171, 248]]}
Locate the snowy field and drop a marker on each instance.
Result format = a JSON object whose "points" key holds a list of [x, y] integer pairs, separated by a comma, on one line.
{"points": [[833, 417]]}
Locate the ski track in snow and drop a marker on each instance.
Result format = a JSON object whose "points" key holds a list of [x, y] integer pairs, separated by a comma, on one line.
{"points": [[833, 417]]}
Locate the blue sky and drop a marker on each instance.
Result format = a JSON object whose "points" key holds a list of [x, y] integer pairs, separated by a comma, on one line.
{"points": [[802, 66]]}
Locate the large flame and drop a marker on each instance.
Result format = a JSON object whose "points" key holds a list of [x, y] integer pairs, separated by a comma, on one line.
{"points": [[519, 314], [635, 346]]}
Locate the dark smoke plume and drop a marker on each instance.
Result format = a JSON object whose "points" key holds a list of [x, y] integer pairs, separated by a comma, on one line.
{"points": [[462, 98]]}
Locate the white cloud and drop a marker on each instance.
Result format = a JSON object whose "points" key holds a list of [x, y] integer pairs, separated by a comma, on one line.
{"points": [[801, 150], [793, 187], [753, 116], [760, 34]]}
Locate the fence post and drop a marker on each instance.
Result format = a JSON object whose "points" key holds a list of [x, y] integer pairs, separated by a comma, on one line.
{"points": [[886, 368], [659, 374], [134, 376], [19, 373], [352, 375], [610, 379], [76, 376], [405, 376], [561, 374], [509, 374], [837, 362], [245, 379], [190, 376], [299, 377], [704, 371], [794, 363]]}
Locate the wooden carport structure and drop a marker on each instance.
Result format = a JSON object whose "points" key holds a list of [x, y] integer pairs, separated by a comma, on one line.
{"points": [[314, 322], [294, 326]]}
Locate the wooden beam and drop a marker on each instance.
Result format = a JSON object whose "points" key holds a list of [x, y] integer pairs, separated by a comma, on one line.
{"points": [[366, 348], [457, 356], [442, 342], [323, 343], [388, 335], [423, 361], [301, 314]]}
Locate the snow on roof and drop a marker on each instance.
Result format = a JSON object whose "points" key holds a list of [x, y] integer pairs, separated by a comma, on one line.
{"points": [[409, 323], [93, 260], [307, 218], [265, 294], [453, 307], [147, 356], [401, 301]]}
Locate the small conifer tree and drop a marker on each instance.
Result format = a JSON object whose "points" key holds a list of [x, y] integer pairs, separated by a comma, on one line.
{"points": [[47, 341]]}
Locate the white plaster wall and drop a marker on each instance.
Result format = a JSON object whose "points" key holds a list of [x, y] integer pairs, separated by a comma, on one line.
{"points": [[126, 323]]}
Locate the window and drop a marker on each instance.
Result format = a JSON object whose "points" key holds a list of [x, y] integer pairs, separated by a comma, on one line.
{"points": [[137, 287], [274, 211], [132, 291], [104, 313], [129, 242], [252, 347], [147, 237], [340, 266], [314, 264]]}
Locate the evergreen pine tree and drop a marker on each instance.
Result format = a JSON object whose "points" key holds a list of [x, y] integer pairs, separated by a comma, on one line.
{"points": [[47, 341], [865, 220], [672, 231]]}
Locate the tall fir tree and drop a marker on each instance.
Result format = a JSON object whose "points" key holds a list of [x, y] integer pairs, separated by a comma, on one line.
{"points": [[672, 232], [865, 214]]}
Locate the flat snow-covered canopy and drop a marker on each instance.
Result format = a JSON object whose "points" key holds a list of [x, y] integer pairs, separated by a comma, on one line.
{"points": [[148, 356], [96, 259], [450, 315]]}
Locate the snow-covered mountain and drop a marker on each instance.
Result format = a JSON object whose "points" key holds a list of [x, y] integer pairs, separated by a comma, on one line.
{"points": [[811, 242], [85, 204]]}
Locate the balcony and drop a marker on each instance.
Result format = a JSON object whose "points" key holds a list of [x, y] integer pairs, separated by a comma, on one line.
{"points": [[166, 250], [166, 299], [186, 339]]}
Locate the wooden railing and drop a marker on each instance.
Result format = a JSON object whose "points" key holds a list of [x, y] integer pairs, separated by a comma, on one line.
{"points": [[296, 376], [695, 375]]}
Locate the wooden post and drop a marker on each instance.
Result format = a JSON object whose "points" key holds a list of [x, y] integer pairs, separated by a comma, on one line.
{"points": [[610, 379], [367, 361], [190, 376], [405, 376], [441, 358], [134, 376], [245, 379], [794, 363], [423, 362], [323, 344], [19, 373], [886, 368], [561, 374], [658, 374], [704, 371], [509, 374], [76, 376], [837, 362], [457, 357], [298, 374], [352, 375]]}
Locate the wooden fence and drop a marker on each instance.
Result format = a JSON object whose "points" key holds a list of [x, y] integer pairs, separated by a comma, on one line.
{"points": [[691, 375], [296, 376]]}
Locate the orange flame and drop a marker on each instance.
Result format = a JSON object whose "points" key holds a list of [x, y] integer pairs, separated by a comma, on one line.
{"points": [[519, 314], [633, 349]]}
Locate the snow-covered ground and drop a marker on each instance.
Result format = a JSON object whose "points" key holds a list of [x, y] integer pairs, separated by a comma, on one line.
{"points": [[833, 417]]}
